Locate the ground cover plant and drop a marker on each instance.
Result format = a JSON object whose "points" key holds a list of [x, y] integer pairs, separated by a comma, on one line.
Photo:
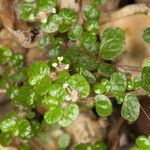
{"points": [[78, 71]]}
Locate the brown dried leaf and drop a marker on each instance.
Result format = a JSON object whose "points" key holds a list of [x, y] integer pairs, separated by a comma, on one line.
{"points": [[7, 13]]}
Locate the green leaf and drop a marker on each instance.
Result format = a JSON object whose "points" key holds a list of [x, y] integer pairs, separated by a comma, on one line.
{"points": [[130, 108], [146, 35], [63, 141], [79, 83], [43, 138], [25, 95], [24, 147], [43, 42], [43, 86], [103, 87], [5, 55], [143, 142], [27, 11], [106, 84], [46, 4], [35, 126], [98, 88], [71, 113], [112, 44], [24, 128], [63, 77], [98, 1], [58, 91], [88, 39], [87, 74], [65, 26], [94, 48], [146, 75], [52, 24], [75, 32], [103, 105], [17, 60], [137, 82], [37, 71], [100, 145], [68, 15], [8, 123], [91, 12], [50, 101], [130, 85], [92, 26], [6, 139], [118, 84], [106, 69], [53, 115], [12, 92]]}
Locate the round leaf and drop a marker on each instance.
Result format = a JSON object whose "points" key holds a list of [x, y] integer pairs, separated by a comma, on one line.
{"points": [[130, 108], [71, 113], [75, 32], [103, 105], [112, 44], [79, 83], [146, 75], [91, 12], [146, 35], [58, 91], [118, 84], [143, 142], [53, 115], [37, 71], [43, 86], [63, 141]]}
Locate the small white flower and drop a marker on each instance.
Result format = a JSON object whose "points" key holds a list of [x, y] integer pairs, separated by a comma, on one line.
{"points": [[66, 66], [44, 20], [53, 10], [60, 58], [65, 85], [54, 65]]}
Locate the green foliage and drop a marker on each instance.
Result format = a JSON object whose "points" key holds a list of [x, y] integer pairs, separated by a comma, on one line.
{"points": [[98, 1], [27, 11], [5, 55], [43, 5], [71, 113], [91, 12], [130, 108], [43, 86], [63, 141], [103, 87], [24, 147], [75, 32], [142, 143], [92, 26], [74, 74], [146, 35], [48, 39], [100, 145], [146, 75], [37, 71], [53, 115], [79, 83], [113, 42], [103, 105], [118, 84], [106, 69]]}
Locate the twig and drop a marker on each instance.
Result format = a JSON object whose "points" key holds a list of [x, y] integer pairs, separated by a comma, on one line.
{"points": [[145, 112]]}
